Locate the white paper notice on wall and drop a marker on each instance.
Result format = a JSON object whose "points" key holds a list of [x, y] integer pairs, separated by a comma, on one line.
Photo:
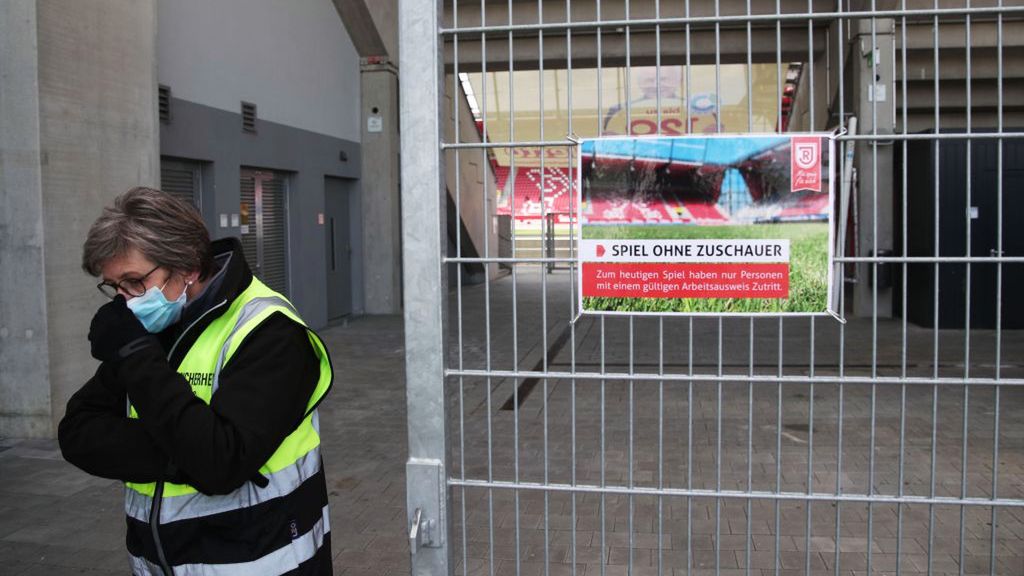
{"points": [[223, 220], [244, 230], [374, 124], [878, 94], [320, 218]]}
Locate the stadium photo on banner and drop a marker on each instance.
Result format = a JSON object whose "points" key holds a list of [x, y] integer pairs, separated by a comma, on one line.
{"points": [[716, 224]]}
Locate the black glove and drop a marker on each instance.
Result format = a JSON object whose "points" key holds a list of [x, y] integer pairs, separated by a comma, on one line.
{"points": [[116, 333], [174, 474]]}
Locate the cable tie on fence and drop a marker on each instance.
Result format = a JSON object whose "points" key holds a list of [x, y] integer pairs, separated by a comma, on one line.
{"points": [[579, 314], [836, 315], [574, 138]]}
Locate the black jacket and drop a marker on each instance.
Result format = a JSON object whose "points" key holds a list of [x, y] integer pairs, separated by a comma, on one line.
{"points": [[262, 397]]}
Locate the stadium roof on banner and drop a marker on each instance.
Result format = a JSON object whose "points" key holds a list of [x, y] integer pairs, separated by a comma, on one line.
{"points": [[722, 151]]}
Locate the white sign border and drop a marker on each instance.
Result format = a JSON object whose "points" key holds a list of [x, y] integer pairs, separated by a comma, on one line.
{"points": [[831, 296]]}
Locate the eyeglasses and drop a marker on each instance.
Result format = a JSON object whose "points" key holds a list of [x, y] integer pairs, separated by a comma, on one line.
{"points": [[134, 287]]}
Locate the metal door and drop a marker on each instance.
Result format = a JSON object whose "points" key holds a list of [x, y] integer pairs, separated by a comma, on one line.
{"points": [[339, 248], [263, 216], [183, 180], [543, 443]]}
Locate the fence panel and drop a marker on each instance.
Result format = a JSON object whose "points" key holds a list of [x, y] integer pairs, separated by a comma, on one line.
{"points": [[546, 443]]}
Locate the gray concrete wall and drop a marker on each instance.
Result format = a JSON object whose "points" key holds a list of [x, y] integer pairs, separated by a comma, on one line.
{"points": [[472, 171], [78, 125], [24, 349], [215, 137], [874, 164], [811, 106], [294, 60], [381, 204], [98, 130]]}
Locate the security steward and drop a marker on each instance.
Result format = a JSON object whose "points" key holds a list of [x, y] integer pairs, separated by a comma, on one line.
{"points": [[205, 401]]}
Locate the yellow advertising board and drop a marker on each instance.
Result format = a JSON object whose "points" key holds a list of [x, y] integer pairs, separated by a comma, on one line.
{"points": [[600, 105]]}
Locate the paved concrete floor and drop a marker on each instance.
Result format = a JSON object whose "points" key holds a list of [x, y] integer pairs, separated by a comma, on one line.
{"points": [[56, 520], [739, 436]]}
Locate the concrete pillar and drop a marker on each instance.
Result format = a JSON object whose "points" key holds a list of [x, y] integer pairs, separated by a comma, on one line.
{"points": [[382, 230], [373, 27], [24, 350], [78, 126], [873, 106]]}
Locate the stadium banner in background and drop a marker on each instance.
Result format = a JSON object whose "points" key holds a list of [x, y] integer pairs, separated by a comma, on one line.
{"points": [[714, 224], [617, 101]]}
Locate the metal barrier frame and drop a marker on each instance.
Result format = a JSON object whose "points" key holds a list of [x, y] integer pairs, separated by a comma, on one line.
{"points": [[429, 362]]}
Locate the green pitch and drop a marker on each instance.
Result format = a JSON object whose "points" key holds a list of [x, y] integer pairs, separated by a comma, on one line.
{"points": [[808, 268]]}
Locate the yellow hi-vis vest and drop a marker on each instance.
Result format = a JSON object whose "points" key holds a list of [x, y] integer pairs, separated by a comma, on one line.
{"points": [[294, 462]]}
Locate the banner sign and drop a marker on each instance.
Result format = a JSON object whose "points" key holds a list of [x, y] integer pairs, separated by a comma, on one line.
{"points": [[621, 101], [719, 224]]}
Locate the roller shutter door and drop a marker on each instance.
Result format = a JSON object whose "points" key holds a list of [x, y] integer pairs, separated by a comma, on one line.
{"points": [[183, 180], [247, 214], [264, 232], [274, 266]]}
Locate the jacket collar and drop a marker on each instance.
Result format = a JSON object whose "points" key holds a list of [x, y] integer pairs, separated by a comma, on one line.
{"points": [[230, 280], [227, 282]]}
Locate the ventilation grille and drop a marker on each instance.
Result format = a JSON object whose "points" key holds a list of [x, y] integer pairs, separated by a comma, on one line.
{"points": [[248, 117], [164, 103]]}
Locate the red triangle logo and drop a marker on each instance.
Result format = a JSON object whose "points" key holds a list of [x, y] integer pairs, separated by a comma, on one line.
{"points": [[600, 250]]}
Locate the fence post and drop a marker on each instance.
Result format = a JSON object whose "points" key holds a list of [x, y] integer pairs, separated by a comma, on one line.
{"points": [[424, 285]]}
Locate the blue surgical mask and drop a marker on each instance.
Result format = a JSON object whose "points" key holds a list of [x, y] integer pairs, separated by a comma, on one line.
{"points": [[154, 311]]}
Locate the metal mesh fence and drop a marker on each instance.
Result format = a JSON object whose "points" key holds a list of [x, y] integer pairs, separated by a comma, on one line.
{"points": [[890, 444]]}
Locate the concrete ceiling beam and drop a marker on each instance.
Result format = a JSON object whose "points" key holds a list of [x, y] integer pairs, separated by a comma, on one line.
{"points": [[526, 11], [642, 49], [372, 25]]}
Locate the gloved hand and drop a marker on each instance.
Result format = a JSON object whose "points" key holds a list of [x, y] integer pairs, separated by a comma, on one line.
{"points": [[116, 333]]}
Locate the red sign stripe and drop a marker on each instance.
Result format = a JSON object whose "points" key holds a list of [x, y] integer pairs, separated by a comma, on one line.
{"points": [[617, 280]]}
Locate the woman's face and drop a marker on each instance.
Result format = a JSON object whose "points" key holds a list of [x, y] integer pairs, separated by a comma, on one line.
{"points": [[134, 268]]}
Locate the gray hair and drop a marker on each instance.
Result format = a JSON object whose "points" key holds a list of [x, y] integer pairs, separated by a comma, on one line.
{"points": [[164, 229]]}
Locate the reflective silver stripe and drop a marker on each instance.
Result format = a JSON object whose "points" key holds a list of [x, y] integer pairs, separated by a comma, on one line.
{"points": [[249, 311], [143, 567], [282, 560], [137, 505], [197, 505]]}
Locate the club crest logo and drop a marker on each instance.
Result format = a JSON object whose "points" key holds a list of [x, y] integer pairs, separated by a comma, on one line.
{"points": [[805, 164], [806, 154]]}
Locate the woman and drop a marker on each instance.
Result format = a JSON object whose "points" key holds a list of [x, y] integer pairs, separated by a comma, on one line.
{"points": [[204, 403]]}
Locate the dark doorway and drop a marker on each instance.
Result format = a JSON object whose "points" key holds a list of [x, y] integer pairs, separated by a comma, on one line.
{"points": [[947, 189], [337, 195]]}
